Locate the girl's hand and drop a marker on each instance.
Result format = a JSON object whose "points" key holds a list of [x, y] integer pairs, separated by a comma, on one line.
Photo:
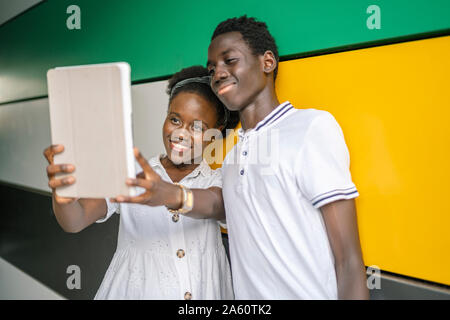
{"points": [[53, 169], [157, 192]]}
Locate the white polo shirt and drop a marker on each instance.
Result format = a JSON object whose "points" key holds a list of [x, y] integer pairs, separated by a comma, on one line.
{"points": [[274, 181]]}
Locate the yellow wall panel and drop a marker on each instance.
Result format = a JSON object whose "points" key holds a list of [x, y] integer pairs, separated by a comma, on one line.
{"points": [[393, 104]]}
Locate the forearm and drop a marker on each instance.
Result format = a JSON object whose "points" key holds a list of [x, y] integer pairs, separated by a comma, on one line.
{"points": [[351, 280], [342, 229], [208, 203], [69, 216], [79, 214]]}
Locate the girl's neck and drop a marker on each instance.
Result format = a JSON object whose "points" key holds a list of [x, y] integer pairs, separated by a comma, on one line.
{"points": [[177, 171]]}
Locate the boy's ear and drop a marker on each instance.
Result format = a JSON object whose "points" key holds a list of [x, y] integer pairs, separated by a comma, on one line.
{"points": [[269, 61]]}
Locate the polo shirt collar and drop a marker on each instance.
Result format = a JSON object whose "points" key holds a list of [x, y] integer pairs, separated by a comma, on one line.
{"points": [[268, 120]]}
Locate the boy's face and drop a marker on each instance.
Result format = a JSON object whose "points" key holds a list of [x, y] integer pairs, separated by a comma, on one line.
{"points": [[237, 75]]}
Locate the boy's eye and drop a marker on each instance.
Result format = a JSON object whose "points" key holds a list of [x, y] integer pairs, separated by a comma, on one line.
{"points": [[230, 60]]}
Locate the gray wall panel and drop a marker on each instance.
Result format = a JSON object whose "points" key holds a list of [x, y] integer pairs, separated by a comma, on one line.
{"points": [[396, 287], [12, 8], [24, 133]]}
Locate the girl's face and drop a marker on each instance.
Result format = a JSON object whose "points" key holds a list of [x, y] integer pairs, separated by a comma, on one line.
{"points": [[188, 117]]}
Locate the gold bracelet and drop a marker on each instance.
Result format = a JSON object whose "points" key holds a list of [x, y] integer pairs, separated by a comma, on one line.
{"points": [[188, 201]]}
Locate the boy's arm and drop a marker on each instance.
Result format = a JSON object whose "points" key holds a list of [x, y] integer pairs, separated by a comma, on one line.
{"points": [[208, 203], [342, 229]]}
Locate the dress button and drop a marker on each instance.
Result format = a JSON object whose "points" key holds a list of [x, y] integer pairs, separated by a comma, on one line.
{"points": [[241, 172], [180, 253], [187, 296], [244, 153], [175, 217]]}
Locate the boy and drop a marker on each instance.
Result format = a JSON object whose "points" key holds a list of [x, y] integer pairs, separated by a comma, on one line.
{"points": [[291, 223]]}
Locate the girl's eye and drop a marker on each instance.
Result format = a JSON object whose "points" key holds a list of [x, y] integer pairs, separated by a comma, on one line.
{"points": [[230, 60], [174, 120], [211, 72], [197, 128]]}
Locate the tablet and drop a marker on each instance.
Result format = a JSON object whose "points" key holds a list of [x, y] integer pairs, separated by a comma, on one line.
{"points": [[90, 114]]}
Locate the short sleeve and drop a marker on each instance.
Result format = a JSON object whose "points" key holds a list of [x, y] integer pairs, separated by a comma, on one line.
{"points": [[111, 209], [323, 170]]}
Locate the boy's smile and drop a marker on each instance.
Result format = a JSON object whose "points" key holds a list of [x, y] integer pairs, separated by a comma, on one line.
{"points": [[225, 88]]}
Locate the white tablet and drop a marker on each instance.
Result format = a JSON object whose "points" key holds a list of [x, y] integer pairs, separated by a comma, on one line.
{"points": [[90, 114]]}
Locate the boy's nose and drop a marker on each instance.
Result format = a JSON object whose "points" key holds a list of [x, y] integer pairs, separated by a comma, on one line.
{"points": [[220, 74]]}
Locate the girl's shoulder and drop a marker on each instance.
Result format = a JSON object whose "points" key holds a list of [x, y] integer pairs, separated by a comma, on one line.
{"points": [[207, 177]]}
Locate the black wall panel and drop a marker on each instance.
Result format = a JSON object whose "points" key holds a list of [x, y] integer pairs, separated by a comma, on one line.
{"points": [[32, 240]]}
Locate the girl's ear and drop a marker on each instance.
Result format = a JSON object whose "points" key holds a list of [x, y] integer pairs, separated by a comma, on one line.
{"points": [[220, 128], [269, 61]]}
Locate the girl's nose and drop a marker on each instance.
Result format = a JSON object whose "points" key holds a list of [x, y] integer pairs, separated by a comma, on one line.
{"points": [[181, 134]]}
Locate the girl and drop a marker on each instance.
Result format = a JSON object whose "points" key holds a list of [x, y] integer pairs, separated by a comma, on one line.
{"points": [[162, 253]]}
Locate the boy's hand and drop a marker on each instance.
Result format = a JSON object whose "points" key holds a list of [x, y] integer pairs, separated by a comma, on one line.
{"points": [[157, 192]]}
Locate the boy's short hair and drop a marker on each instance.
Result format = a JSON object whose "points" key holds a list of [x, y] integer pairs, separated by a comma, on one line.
{"points": [[255, 33]]}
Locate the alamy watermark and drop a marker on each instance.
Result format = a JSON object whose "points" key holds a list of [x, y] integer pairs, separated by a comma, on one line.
{"points": [[190, 148], [373, 277], [74, 280], [374, 20], [73, 22]]}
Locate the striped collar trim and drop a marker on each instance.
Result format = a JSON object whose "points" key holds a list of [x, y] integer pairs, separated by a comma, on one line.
{"points": [[271, 118], [276, 114]]}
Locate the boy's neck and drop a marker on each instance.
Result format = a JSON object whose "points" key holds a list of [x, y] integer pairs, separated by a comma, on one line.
{"points": [[257, 110]]}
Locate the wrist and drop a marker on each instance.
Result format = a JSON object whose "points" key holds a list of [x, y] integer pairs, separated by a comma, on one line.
{"points": [[175, 197], [187, 200]]}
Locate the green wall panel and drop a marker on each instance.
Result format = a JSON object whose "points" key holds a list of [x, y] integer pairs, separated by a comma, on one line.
{"points": [[159, 37]]}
